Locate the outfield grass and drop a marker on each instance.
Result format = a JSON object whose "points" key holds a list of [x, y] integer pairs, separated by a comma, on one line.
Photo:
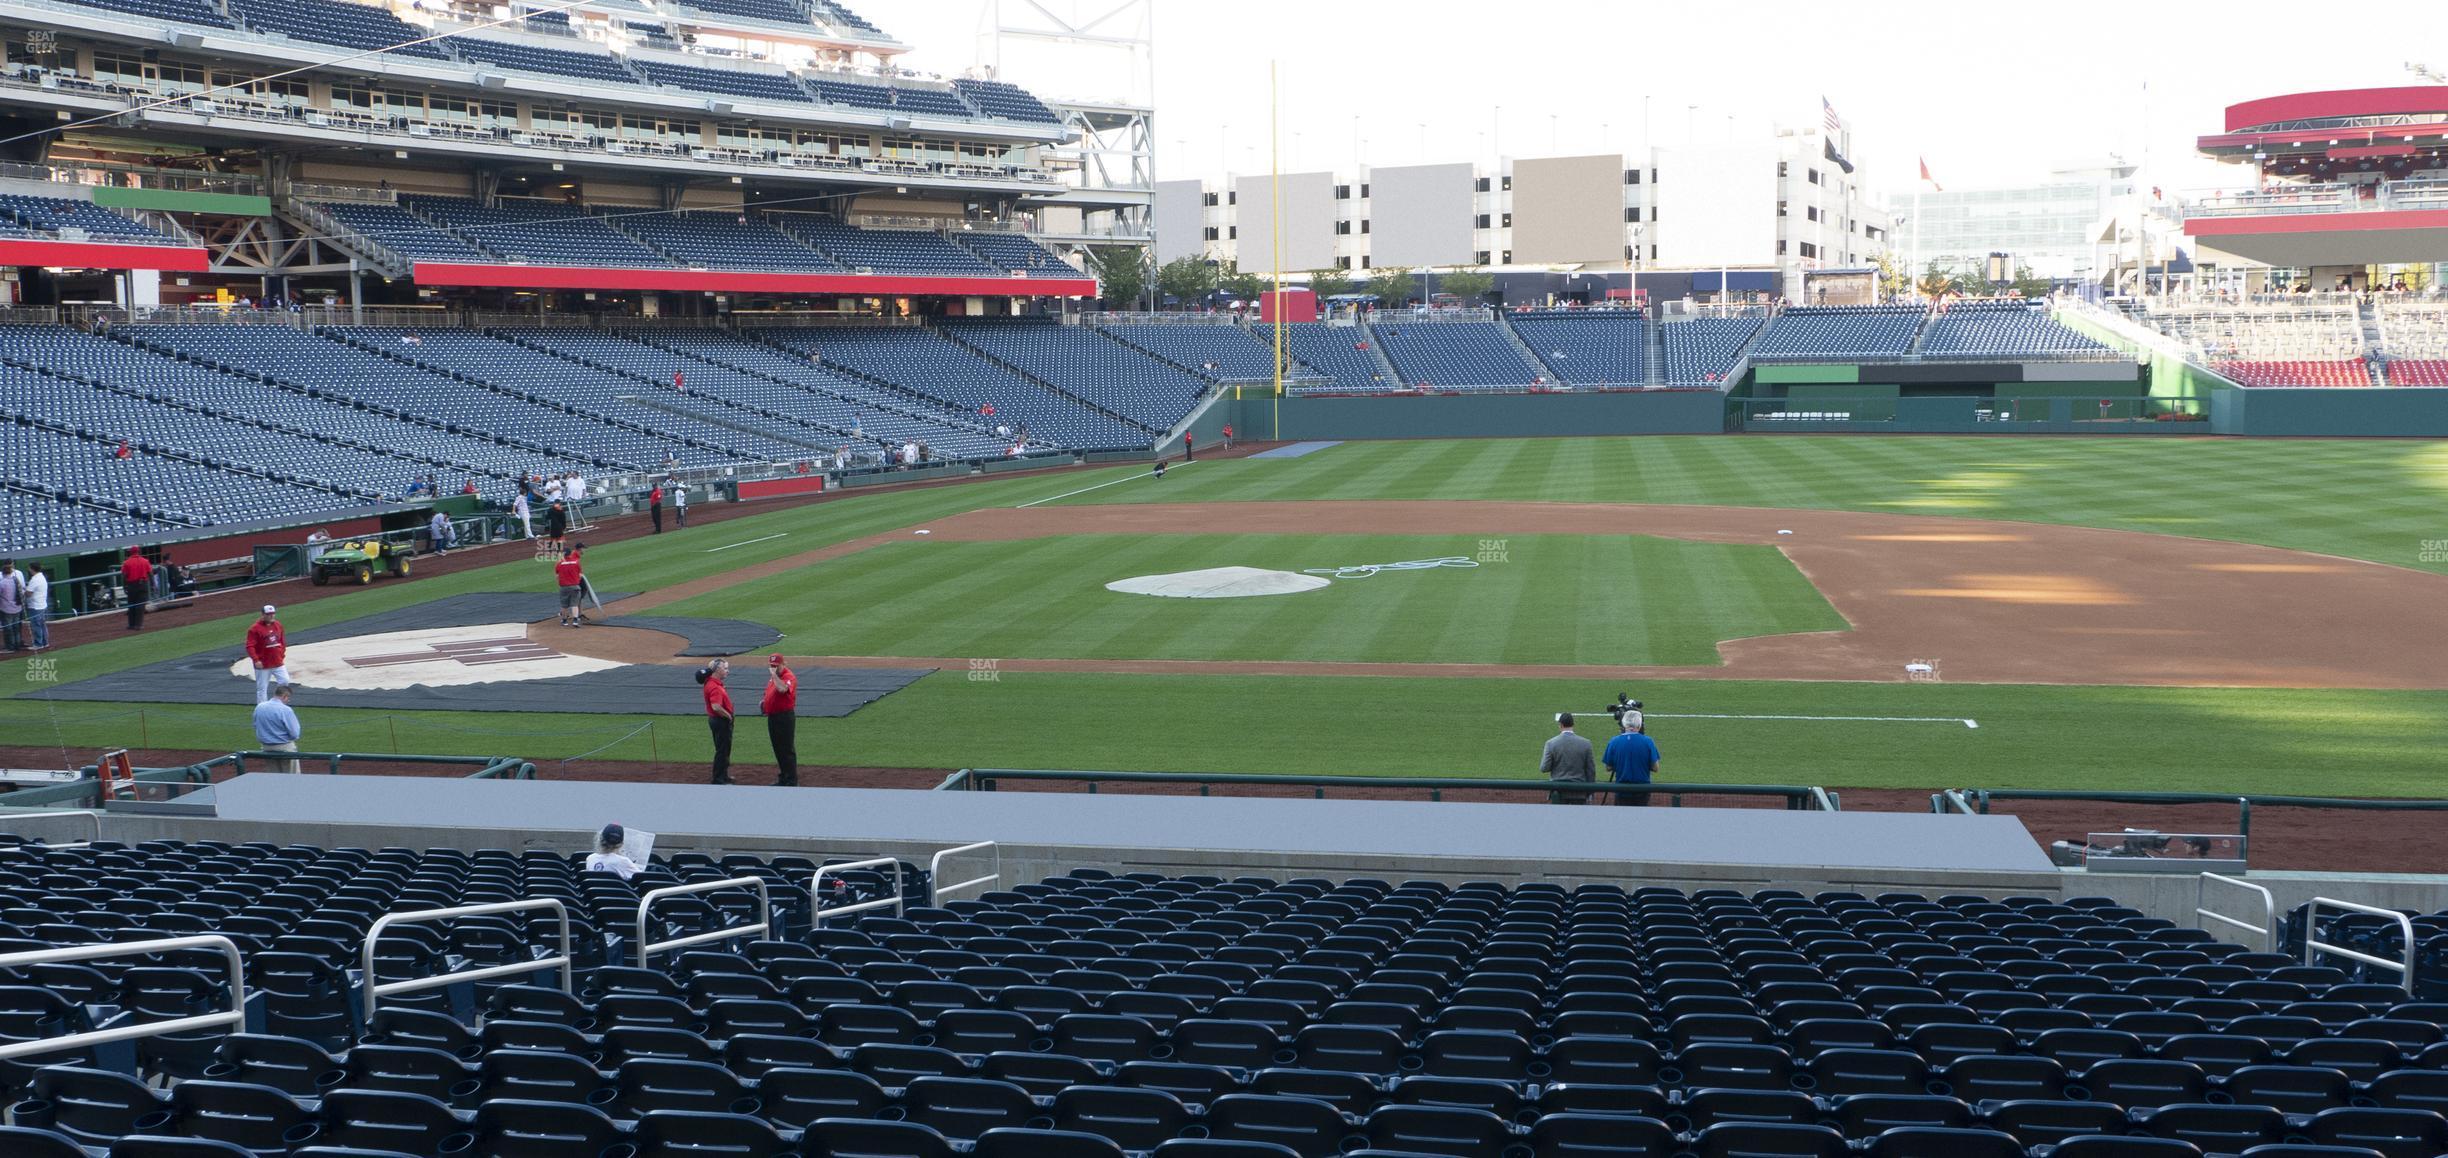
{"points": [[1572, 599], [2362, 498], [2367, 499]]}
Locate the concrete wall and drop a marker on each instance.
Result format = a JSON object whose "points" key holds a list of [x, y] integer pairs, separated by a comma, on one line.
{"points": [[1568, 209], [1180, 220], [2399, 411], [1477, 415], [1309, 217], [1421, 215]]}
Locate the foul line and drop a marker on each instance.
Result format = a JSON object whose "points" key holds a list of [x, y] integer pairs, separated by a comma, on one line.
{"points": [[1098, 487], [728, 546], [1848, 719]]}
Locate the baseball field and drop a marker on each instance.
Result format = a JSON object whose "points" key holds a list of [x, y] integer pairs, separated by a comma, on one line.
{"points": [[2213, 615]]}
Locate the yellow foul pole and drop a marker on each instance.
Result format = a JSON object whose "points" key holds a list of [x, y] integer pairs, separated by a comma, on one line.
{"points": [[1275, 193]]}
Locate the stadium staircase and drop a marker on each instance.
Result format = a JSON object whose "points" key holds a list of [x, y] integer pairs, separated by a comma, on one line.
{"points": [[1377, 354], [946, 333], [933, 409], [1920, 336], [1153, 356], [366, 345], [1504, 325], [1653, 368], [851, 372], [797, 430], [315, 221]]}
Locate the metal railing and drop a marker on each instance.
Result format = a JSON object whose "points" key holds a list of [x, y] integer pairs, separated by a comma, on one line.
{"points": [[1980, 798], [2268, 928], [1797, 797], [647, 949], [817, 912], [2314, 947], [937, 890], [234, 1018], [7, 817], [564, 962]]}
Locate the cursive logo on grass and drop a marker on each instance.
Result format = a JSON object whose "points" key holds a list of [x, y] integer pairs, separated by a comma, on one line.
{"points": [[1364, 570]]}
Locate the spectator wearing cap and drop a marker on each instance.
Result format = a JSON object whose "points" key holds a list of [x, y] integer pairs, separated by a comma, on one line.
{"points": [[267, 645], [608, 857], [718, 715], [1567, 759], [1631, 758], [276, 726], [781, 708]]}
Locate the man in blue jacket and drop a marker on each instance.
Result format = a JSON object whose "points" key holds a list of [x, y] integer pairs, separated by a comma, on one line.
{"points": [[1631, 758]]}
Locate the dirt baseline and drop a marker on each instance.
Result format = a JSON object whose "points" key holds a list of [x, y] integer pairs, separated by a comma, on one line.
{"points": [[1984, 601]]}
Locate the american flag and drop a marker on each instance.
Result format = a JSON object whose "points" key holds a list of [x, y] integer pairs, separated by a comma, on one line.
{"points": [[1830, 110]]}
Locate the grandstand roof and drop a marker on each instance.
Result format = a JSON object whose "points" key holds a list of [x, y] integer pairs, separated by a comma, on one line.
{"points": [[2348, 122]]}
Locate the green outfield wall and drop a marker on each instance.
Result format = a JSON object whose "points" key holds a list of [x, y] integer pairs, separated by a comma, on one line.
{"points": [[1468, 415]]}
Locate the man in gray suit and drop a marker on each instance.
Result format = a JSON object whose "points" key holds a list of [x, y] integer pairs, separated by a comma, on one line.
{"points": [[1568, 760]]}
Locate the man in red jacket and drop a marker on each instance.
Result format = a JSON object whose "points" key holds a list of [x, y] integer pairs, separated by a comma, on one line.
{"points": [[268, 645], [570, 573], [781, 708], [718, 715], [136, 575]]}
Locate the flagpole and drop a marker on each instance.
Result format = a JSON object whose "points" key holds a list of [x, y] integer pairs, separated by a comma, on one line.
{"points": [[1275, 162], [1912, 276]]}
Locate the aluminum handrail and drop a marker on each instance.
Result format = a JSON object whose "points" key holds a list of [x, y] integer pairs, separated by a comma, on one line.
{"points": [[87, 813], [2314, 946], [646, 949], [234, 1018], [935, 886], [817, 912], [567, 964], [2268, 928]]}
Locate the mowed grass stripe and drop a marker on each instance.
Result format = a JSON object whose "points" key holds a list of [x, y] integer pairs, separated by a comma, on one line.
{"points": [[1537, 599]]}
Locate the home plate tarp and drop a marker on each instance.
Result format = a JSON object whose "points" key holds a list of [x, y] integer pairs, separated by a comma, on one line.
{"points": [[471, 653]]}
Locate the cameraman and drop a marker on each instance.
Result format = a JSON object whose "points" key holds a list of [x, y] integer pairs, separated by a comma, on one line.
{"points": [[1631, 757]]}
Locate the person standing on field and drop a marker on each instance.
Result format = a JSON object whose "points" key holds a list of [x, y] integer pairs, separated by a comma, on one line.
{"points": [[1631, 758], [267, 644], [1567, 760], [570, 575], [679, 505], [136, 578], [781, 708], [718, 715], [654, 507], [38, 607], [12, 604]]}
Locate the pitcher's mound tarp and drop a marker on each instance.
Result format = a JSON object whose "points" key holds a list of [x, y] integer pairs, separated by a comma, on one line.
{"points": [[706, 636], [411, 659]]}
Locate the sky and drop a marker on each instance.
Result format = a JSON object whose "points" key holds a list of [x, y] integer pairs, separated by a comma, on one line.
{"points": [[1989, 93]]}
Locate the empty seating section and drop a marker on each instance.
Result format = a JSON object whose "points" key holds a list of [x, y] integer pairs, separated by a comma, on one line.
{"points": [[338, 22], [1082, 362], [362, 374], [900, 251], [1237, 355], [1091, 1015], [53, 214], [521, 57], [779, 11], [405, 233], [759, 85], [841, 16], [841, 401], [2414, 339], [2418, 372], [2314, 344], [538, 233], [1017, 253], [2002, 329], [1840, 332], [1342, 353], [1705, 350], [790, 410], [2295, 372], [152, 485], [1588, 347], [1011, 102], [32, 522], [653, 35], [726, 241], [184, 11], [890, 98], [925, 362], [1454, 355], [558, 380]]}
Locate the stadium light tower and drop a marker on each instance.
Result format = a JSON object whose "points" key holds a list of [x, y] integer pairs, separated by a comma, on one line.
{"points": [[2425, 71]]}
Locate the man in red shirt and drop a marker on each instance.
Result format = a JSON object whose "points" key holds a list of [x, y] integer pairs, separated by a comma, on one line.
{"points": [[781, 708], [718, 715], [1189, 447], [654, 507], [570, 573], [136, 576], [268, 646]]}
